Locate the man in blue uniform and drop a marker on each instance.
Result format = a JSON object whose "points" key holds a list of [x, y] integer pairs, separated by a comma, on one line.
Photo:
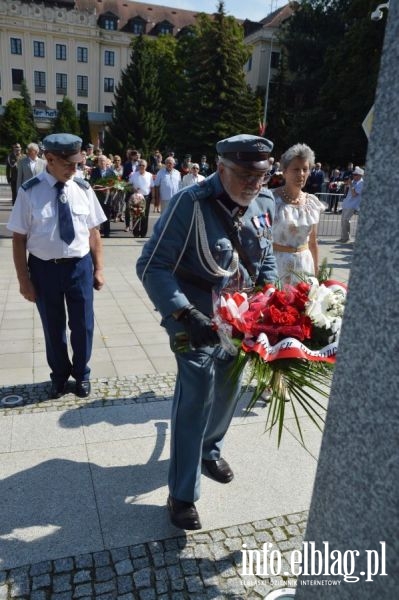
{"points": [[213, 235], [55, 220]]}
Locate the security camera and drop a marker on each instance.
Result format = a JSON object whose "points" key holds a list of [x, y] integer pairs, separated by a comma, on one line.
{"points": [[376, 15]]}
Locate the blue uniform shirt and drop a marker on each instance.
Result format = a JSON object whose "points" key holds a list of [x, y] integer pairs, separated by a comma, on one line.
{"points": [[176, 245]]}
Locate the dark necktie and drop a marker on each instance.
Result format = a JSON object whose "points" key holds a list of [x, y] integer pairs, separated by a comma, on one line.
{"points": [[67, 232]]}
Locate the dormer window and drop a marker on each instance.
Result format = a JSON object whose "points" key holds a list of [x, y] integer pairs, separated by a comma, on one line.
{"points": [[164, 27], [137, 25], [108, 21]]}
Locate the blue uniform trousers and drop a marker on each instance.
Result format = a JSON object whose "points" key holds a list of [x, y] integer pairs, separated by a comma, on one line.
{"points": [[67, 283], [204, 402]]}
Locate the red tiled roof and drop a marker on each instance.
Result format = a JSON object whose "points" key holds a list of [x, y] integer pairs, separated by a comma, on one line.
{"points": [[152, 13]]}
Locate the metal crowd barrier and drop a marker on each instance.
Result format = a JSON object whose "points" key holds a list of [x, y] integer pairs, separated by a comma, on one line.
{"points": [[330, 219]]}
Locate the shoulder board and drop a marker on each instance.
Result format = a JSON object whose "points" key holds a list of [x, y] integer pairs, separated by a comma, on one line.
{"points": [[30, 183], [82, 182]]}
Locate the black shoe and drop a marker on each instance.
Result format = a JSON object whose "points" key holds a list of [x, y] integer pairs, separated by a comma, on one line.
{"points": [[183, 514], [57, 389], [219, 470], [82, 389]]}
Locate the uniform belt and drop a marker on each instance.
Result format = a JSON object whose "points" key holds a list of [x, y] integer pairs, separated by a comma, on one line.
{"points": [[63, 260], [290, 249]]}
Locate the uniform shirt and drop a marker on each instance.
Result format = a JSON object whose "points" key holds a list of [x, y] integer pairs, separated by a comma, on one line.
{"points": [[35, 214], [168, 182], [350, 201], [143, 182]]}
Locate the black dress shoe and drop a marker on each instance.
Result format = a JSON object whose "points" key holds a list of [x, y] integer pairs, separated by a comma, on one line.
{"points": [[183, 514], [82, 389], [219, 470], [57, 389]]}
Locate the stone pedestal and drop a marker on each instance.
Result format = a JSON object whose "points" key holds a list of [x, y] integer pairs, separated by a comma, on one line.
{"points": [[355, 504]]}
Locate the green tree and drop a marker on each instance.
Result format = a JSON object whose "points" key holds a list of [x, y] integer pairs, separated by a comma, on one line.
{"points": [[67, 119], [84, 129], [24, 92], [15, 125], [332, 51], [137, 118], [215, 101]]}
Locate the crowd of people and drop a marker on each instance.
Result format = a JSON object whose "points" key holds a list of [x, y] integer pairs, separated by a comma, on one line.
{"points": [[158, 179], [249, 222]]}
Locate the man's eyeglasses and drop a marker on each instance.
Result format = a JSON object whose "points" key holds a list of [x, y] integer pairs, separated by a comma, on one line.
{"points": [[246, 177]]}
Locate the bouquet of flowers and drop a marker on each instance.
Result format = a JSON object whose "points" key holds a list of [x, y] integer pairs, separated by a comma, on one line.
{"points": [[288, 338], [112, 182], [335, 186]]}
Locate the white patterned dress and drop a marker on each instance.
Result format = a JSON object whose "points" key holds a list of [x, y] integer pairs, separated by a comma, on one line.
{"points": [[292, 227]]}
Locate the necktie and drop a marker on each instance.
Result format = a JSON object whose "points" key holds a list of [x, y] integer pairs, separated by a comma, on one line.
{"points": [[67, 232]]}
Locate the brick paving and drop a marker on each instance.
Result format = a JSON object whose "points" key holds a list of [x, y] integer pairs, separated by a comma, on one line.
{"points": [[201, 566]]}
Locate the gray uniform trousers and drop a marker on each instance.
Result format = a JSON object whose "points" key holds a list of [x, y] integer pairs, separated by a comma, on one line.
{"points": [[205, 397]]}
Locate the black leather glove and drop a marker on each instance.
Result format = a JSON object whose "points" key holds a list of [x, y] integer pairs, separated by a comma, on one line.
{"points": [[199, 328]]}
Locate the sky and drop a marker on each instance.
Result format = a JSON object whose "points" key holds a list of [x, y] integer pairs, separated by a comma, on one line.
{"points": [[254, 10]]}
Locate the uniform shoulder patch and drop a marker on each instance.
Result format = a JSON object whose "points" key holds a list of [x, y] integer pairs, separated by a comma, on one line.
{"points": [[82, 182], [30, 183]]}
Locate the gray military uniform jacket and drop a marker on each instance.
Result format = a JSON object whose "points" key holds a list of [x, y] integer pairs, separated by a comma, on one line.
{"points": [[190, 250]]}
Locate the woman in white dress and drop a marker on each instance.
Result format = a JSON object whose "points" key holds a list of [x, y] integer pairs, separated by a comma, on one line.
{"points": [[297, 215]]}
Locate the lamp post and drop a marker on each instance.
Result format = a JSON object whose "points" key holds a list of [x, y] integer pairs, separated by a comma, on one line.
{"points": [[268, 83]]}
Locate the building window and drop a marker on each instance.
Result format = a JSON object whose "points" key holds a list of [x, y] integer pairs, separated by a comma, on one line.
{"points": [[108, 109], [40, 102], [17, 76], [83, 85], [61, 83], [40, 81], [108, 84], [60, 51], [164, 27], [82, 107], [275, 60], [109, 58], [38, 49], [16, 46], [249, 64], [137, 25], [82, 54], [109, 24]]}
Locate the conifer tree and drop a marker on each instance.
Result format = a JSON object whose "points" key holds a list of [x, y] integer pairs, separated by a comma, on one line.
{"points": [[137, 119], [217, 101], [24, 92], [67, 119]]}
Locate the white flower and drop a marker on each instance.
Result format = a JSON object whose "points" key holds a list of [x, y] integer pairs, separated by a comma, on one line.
{"points": [[326, 305]]}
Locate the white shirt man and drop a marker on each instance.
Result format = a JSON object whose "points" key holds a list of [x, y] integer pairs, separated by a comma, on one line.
{"points": [[192, 177], [142, 180], [167, 183]]}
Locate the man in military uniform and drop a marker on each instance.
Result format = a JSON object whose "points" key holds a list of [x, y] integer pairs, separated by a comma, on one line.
{"points": [[55, 220], [213, 235]]}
